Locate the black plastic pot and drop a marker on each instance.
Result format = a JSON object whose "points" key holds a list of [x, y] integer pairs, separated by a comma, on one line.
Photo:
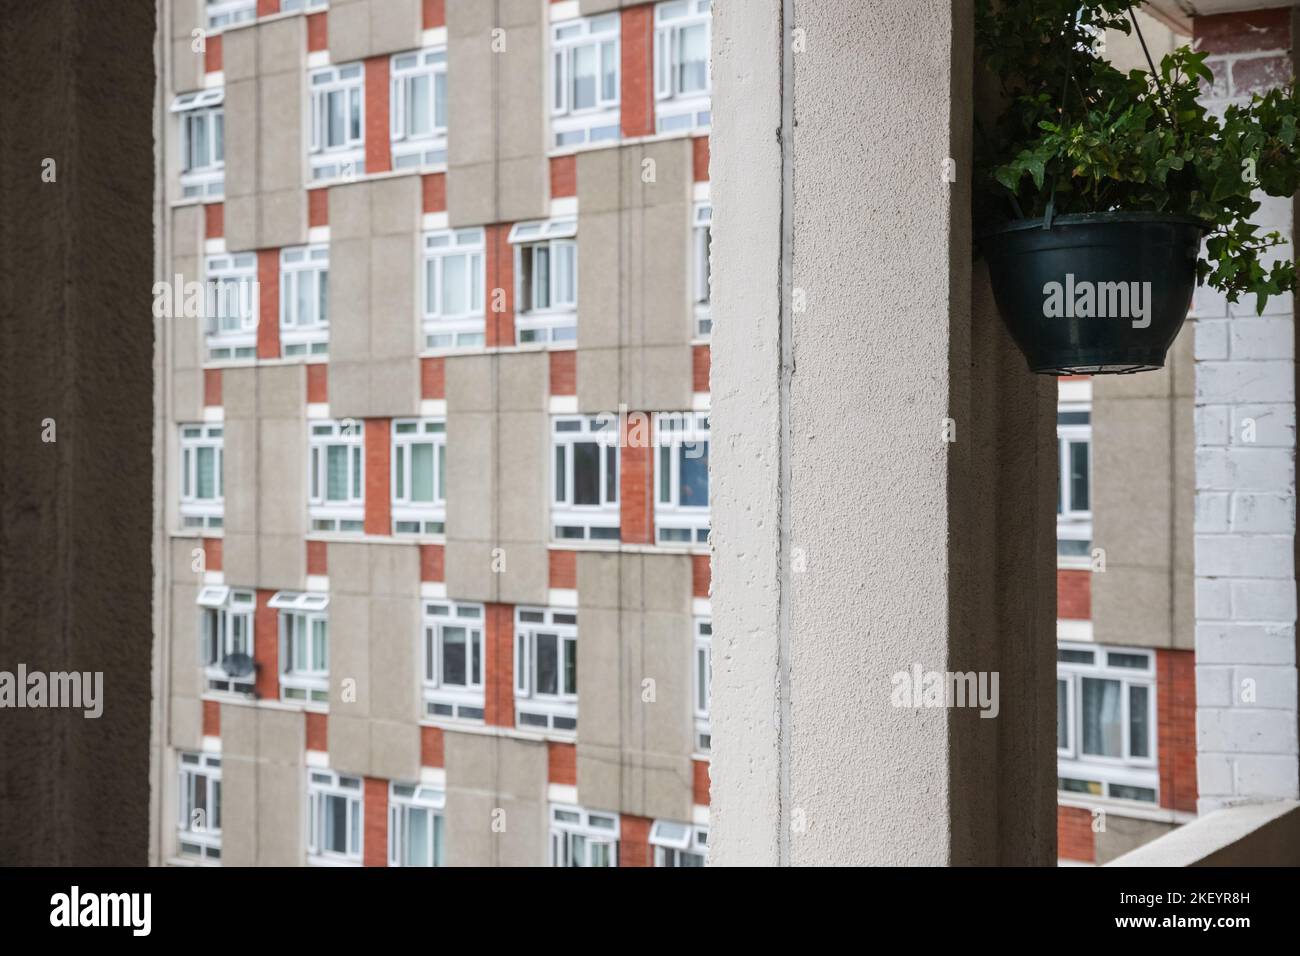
{"points": [[1095, 294]]}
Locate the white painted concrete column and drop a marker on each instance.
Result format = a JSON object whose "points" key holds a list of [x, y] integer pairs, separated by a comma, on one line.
{"points": [[854, 541], [1246, 693]]}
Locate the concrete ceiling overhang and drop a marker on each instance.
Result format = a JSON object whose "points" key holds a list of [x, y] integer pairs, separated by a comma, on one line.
{"points": [[1178, 14]]}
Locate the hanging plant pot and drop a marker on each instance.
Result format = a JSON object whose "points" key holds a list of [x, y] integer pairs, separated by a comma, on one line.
{"points": [[1094, 294]]}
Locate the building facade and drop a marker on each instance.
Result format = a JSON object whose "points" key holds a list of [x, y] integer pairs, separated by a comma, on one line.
{"points": [[433, 340]]}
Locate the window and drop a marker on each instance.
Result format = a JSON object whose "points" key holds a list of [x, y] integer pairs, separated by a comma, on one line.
{"points": [[232, 291], [1074, 491], [333, 818], [419, 476], [202, 497], [546, 280], [222, 13], [338, 122], [585, 80], [202, 132], [453, 289], [199, 806], [682, 477], [581, 838], [1105, 722], [418, 109], [304, 300], [415, 825], [288, 6], [226, 638], [546, 669], [584, 499], [703, 670], [682, 76], [703, 237], [453, 660], [336, 482], [304, 646], [679, 844]]}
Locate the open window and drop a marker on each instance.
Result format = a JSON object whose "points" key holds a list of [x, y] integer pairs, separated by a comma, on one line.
{"points": [[304, 646], [546, 281], [582, 838], [202, 138], [226, 638], [546, 670], [679, 844]]}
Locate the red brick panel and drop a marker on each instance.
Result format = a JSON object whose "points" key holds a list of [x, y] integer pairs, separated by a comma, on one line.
{"points": [[1074, 836], [375, 852], [212, 387], [701, 575], [211, 718], [700, 365], [634, 833], [378, 477], [431, 747], [1073, 594], [433, 378], [434, 14], [637, 100], [562, 763], [212, 554], [318, 731], [1247, 32], [564, 569], [433, 189], [214, 220], [500, 274], [635, 483], [700, 782], [564, 372], [318, 383], [268, 303], [379, 149], [266, 647], [701, 144], [212, 54], [432, 557], [267, 7], [317, 32], [318, 207], [499, 688], [564, 176], [318, 558], [1176, 728]]}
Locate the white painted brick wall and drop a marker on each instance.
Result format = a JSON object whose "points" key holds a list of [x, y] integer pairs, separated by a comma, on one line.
{"points": [[1245, 430]]}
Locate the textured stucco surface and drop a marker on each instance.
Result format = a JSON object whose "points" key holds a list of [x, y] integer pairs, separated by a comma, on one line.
{"points": [[76, 272], [851, 541]]}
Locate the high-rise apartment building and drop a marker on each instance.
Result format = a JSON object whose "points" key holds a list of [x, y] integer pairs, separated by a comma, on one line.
{"points": [[434, 574]]}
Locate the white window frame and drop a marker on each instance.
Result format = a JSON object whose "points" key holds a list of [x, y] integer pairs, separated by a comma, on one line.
{"points": [[673, 520], [196, 512], [442, 700], [291, 6], [227, 13], [1073, 524], [419, 517], [229, 611], [577, 837], [302, 610], [444, 331], [702, 683], [574, 522], [206, 179], [196, 838], [321, 785], [599, 123], [557, 322], [677, 110], [536, 710], [231, 281], [346, 159], [679, 844], [1100, 771], [306, 332], [407, 799], [424, 150], [345, 515], [701, 234]]}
